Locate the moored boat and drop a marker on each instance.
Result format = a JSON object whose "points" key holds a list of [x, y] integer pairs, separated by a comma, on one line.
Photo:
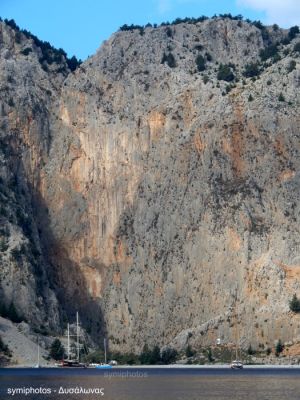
{"points": [[38, 365], [103, 366], [69, 363], [236, 364]]}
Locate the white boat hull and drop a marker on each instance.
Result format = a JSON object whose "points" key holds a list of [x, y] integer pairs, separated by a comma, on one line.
{"points": [[236, 365]]}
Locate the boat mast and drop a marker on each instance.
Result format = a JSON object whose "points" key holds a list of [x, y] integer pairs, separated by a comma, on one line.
{"points": [[38, 363], [77, 323], [105, 351], [68, 341], [236, 326]]}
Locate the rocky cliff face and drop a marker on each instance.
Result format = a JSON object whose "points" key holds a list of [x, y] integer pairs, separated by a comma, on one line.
{"points": [[26, 103], [156, 194]]}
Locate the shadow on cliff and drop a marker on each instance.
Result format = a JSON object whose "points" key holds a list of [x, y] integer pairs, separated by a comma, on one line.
{"points": [[66, 278]]}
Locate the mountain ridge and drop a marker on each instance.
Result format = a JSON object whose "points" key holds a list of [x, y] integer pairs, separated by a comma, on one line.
{"points": [[155, 186]]}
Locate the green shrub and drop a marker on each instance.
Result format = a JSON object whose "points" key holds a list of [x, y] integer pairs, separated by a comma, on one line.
{"points": [[209, 355], [4, 348], [96, 356], [198, 47], [281, 97], [279, 348], [251, 69], [24, 222], [297, 47], [150, 357], [250, 350], [129, 359], [145, 355], [16, 253], [230, 16], [225, 73], [286, 40], [26, 51], [250, 98], [3, 211], [258, 24], [155, 356], [208, 56], [131, 27], [293, 32], [169, 32], [3, 310], [291, 66], [73, 63], [50, 53], [18, 37], [276, 58], [200, 62], [12, 314], [12, 24], [3, 245], [169, 355], [228, 88], [57, 350], [169, 59], [295, 304], [125, 359], [268, 52], [264, 32], [205, 79], [189, 352]]}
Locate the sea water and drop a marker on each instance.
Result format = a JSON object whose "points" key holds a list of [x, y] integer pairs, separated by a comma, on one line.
{"points": [[150, 384]]}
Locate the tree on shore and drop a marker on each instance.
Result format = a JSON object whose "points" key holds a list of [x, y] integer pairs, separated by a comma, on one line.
{"points": [[279, 348], [169, 355], [150, 357], [57, 350], [189, 352]]}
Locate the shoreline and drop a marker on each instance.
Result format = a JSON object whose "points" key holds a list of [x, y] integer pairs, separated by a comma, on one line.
{"points": [[173, 366]]}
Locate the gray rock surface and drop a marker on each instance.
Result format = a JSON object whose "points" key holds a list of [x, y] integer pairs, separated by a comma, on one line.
{"points": [[23, 345], [160, 194]]}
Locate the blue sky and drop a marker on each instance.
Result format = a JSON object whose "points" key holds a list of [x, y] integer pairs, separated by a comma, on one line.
{"points": [[79, 26]]}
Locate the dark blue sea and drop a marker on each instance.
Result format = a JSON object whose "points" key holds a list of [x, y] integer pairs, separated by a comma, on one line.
{"points": [[150, 384]]}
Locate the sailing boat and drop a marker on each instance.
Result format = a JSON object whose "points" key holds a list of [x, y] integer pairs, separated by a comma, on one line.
{"points": [[104, 365], [38, 356], [236, 364], [69, 362]]}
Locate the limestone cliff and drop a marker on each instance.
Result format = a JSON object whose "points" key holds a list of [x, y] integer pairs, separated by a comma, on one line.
{"points": [[161, 179]]}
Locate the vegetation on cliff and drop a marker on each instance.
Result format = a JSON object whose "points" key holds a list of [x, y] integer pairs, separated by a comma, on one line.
{"points": [[10, 312], [292, 33], [5, 353], [295, 304], [189, 170], [57, 350], [49, 53]]}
